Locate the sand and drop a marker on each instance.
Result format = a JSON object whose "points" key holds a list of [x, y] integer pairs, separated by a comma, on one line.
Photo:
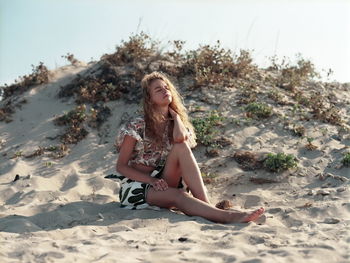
{"points": [[64, 210]]}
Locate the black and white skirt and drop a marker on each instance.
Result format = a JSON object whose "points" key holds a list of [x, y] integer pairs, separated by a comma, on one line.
{"points": [[132, 194]]}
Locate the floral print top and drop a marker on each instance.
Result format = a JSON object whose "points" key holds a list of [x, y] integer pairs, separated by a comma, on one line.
{"points": [[145, 151]]}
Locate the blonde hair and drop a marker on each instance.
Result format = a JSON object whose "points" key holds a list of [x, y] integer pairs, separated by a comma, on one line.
{"points": [[153, 119]]}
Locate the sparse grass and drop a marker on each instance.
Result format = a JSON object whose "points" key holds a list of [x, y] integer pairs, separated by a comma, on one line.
{"points": [[277, 97], [299, 130], [53, 151], [205, 128], [309, 145], [346, 160], [48, 164], [248, 94], [279, 162], [258, 110], [17, 154]]}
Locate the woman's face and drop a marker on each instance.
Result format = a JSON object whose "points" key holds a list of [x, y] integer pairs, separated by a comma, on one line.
{"points": [[160, 93]]}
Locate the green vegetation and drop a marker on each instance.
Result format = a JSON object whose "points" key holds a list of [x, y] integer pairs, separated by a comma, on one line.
{"points": [[74, 120], [258, 110], [117, 76], [346, 160], [205, 128], [279, 162], [309, 144], [73, 117]]}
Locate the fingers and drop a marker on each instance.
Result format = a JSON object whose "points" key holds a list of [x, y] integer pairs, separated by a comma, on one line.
{"points": [[172, 112], [160, 185]]}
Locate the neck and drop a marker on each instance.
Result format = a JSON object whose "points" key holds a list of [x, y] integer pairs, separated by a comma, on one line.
{"points": [[164, 111]]}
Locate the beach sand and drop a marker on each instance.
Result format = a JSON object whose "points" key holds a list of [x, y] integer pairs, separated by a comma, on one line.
{"points": [[64, 210]]}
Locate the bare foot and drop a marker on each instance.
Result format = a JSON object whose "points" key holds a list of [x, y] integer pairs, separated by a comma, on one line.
{"points": [[254, 215]]}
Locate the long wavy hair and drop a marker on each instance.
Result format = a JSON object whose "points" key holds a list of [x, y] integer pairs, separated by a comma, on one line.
{"points": [[153, 118]]}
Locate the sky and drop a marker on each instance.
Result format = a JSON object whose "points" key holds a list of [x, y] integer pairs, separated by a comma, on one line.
{"points": [[45, 30]]}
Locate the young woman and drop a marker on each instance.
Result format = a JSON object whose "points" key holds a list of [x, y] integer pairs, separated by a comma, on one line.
{"points": [[155, 156]]}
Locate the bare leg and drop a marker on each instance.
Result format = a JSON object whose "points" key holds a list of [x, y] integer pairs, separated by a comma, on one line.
{"points": [[181, 162], [195, 207]]}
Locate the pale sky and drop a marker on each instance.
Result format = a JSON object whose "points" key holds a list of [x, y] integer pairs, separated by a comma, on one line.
{"points": [[43, 30]]}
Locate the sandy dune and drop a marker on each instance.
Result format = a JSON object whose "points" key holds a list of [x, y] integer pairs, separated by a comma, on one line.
{"points": [[64, 210]]}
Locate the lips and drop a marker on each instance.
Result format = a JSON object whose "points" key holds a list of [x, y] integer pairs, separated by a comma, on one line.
{"points": [[166, 95]]}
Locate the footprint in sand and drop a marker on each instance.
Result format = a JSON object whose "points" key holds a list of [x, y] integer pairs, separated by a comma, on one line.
{"points": [[69, 182], [252, 201]]}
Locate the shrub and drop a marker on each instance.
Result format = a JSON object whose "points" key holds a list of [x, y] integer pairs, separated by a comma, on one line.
{"points": [[309, 144], [73, 117], [139, 47], [258, 110], [39, 75], [74, 120], [299, 130], [205, 128], [248, 160], [279, 162], [292, 76], [346, 160], [214, 65]]}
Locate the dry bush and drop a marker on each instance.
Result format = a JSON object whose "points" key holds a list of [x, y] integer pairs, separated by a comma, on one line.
{"points": [[99, 114], [74, 120], [6, 112], [139, 47], [39, 75], [216, 66], [248, 160], [107, 85], [292, 76], [71, 59]]}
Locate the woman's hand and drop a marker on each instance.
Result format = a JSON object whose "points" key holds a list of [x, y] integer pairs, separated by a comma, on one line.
{"points": [[172, 113], [159, 184], [180, 132]]}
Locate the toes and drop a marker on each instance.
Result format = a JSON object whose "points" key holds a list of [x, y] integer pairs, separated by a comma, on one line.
{"points": [[254, 215]]}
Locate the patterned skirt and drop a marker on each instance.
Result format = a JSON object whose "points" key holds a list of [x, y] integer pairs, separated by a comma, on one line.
{"points": [[132, 194]]}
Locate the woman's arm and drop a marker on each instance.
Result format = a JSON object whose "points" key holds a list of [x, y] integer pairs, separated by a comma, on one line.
{"points": [[180, 131], [124, 169], [124, 157]]}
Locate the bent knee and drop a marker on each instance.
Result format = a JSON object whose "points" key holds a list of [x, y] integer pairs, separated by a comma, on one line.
{"points": [[182, 146]]}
